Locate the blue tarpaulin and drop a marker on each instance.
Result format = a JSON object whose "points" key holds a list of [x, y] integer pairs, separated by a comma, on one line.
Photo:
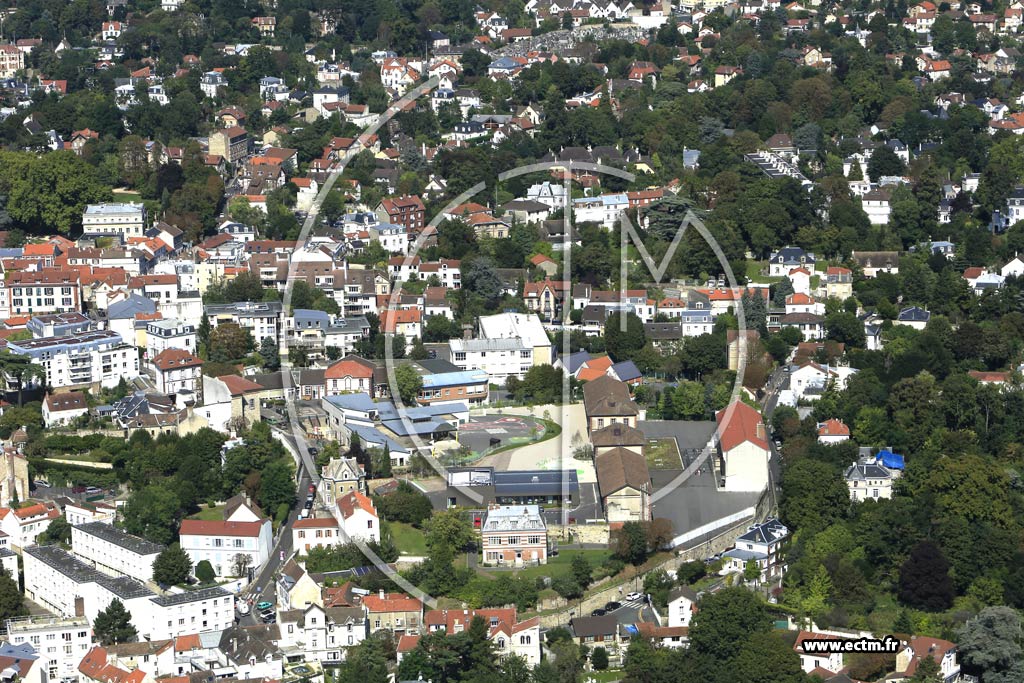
{"points": [[890, 459]]}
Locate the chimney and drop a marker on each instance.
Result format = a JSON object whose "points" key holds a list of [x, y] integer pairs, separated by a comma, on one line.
{"points": [[467, 332], [381, 593]]}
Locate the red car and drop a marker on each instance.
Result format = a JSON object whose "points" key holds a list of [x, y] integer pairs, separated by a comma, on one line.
{"points": [[312, 489]]}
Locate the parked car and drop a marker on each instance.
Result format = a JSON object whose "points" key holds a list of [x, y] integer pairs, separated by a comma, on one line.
{"points": [[270, 618], [612, 606], [93, 490], [312, 488], [634, 596], [243, 607], [41, 484], [598, 613], [264, 606]]}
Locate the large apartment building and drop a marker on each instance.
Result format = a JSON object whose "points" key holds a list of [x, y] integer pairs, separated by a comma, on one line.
{"points": [[97, 357]]}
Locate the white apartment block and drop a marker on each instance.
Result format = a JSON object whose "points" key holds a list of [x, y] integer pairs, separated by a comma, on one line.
{"points": [[23, 525], [124, 219], [315, 532], [262, 319], [60, 642], [65, 585], [499, 358], [114, 552], [93, 357], [220, 542]]}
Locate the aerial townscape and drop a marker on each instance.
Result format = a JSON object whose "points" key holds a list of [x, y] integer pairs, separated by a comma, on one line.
{"points": [[532, 341]]}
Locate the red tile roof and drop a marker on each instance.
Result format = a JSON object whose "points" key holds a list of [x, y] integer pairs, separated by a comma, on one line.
{"points": [[392, 602], [239, 385], [168, 359], [352, 500], [213, 527], [348, 368], [739, 423], [833, 427]]}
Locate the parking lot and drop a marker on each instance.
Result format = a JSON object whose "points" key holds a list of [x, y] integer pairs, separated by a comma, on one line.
{"points": [[488, 432]]}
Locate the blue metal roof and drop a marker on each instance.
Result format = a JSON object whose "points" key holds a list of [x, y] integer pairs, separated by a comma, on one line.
{"points": [[450, 379]]}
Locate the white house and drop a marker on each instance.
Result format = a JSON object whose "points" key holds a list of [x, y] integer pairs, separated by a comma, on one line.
{"points": [[357, 517], [60, 409], [876, 205], [869, 479], [322, 634], [809, 661], [832, 431], [315, 532], [550, 194], [682, 602], [23, 525], [743, 448], [242, 541], [81, 512], [786, 259], [762, 543]]}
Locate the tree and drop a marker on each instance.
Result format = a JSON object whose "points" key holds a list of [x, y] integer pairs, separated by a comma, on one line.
{"points": [[630, 543], [725, 621], [12, 602], [482, 279], [884, 162], [623, 344], [928, 671], [409, 384], [599, 658], [153, 513], [450, 528], [813, 495], [229, 342], [50, 192], [766, 658], [172, 566], [58, 531], [924, 580], [240, 564], [845, 328], [270, 354], [990, 642], [114, 625], [277, 485], [204, 572], [581, 570]]}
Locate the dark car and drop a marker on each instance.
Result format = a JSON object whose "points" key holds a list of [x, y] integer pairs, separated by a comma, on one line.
{"points": [[598, 613], [309, 504], [612, 606], [313, 450], [270, 619]]}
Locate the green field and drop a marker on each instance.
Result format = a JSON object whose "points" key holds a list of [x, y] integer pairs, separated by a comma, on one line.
{"points": [[127, 197], [663, 454], [754, 273], [557, 566], [209, 514], [408, 539]]}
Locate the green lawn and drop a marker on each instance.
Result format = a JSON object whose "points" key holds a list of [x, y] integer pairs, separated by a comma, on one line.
{"points": [[127, 197], [663, 454], [408, 539], [754, 273], [603, 676], [209, 514], [561, 564]]}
